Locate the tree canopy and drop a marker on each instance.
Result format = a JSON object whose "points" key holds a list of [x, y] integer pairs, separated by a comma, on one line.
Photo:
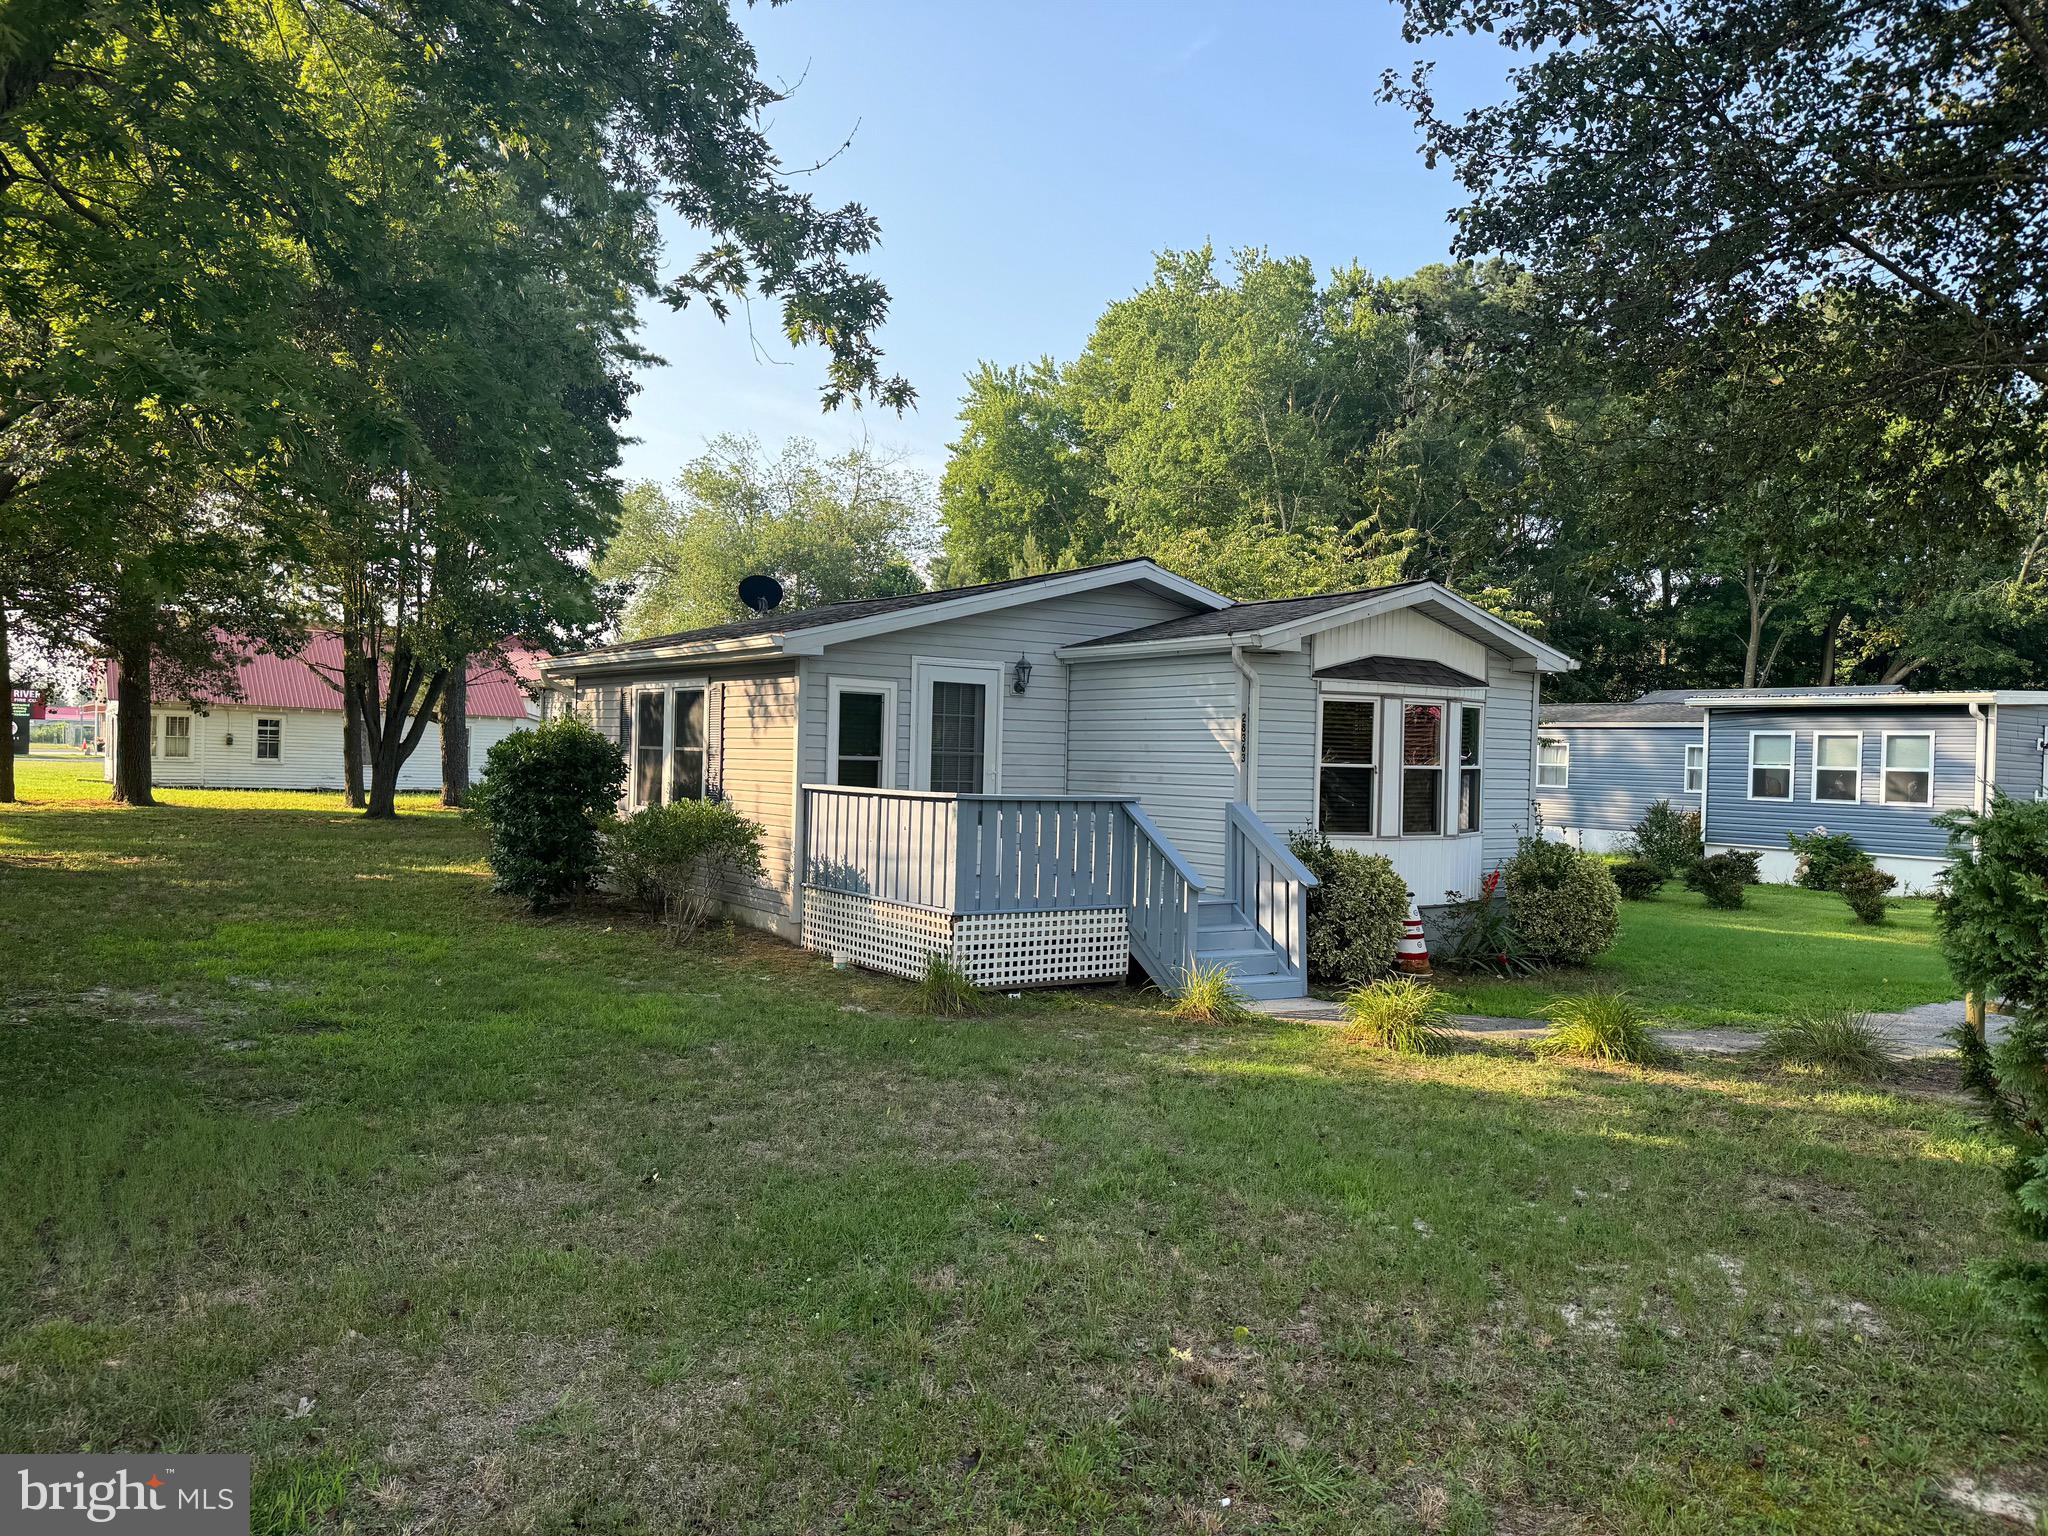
{"points": [[828, 527]]}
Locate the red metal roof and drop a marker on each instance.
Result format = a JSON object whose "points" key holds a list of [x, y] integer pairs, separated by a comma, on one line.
{"points": [[312, 680]]}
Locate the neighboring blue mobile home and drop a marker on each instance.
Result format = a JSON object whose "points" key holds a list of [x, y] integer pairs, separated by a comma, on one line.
{"points": [[1600, 766], [1879, 764]]}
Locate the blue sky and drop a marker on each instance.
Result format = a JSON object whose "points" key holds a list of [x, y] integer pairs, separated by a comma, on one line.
{"points": [[1026, 161]]}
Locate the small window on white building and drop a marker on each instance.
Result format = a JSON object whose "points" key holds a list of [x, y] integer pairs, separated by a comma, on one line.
{"points": [[269, 740], [1838, 767], [1909, 770], [1695, 768], [1345, 779], [177, 735], [1553, 764], [863, 733], [1770, 765]]}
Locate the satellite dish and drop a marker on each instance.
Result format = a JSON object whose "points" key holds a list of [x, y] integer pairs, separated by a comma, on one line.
{"points": [[760, 593]]}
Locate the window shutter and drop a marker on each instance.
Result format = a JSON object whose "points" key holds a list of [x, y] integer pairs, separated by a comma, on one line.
{"points": [[714, 741]]}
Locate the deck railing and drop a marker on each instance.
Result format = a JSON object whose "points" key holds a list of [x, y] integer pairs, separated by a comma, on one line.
{"points": [[1268, 885], [1163, 900], [1008, 853]]}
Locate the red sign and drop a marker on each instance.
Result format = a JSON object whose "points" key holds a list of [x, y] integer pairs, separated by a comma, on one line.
{"points": [[35, 699]]}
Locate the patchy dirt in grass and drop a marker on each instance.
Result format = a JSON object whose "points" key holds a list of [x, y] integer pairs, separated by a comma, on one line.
{"points": [[2007, 1496]]}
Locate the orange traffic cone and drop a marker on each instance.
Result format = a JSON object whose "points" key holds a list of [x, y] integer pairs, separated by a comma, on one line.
{"points": [[1413, 956]]}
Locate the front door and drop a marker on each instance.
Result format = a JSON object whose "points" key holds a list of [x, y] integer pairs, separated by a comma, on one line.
{"points": [[957, 729]]}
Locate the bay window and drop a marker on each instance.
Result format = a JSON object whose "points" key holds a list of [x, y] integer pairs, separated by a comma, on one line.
{"points": [[1346, 780], [1469, 737], [1422, 769]]}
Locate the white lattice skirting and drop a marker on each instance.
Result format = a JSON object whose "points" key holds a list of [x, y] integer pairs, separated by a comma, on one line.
{"points": [[995, 949]]}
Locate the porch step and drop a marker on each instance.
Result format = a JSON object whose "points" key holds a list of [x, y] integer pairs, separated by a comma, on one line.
{"points": [[1268, 988], [1258, 960], [1218, 912]]}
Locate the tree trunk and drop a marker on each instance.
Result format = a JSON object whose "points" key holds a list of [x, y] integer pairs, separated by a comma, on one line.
{"points": [[455, 734], [131, 728], [1828, 637], [396, 728], [7, 684], [351, 745]]}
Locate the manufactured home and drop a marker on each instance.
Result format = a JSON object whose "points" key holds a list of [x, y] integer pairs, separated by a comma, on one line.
{"points": [[280, 725], [1877, 763], [1048, 777]]}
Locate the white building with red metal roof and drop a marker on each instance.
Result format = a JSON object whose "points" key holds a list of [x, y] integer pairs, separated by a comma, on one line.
{"points": [[280, 726]]}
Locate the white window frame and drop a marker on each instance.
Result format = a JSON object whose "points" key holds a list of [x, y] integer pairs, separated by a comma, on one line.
{"points": [[1813, 772], [926, 670], [887, 689], [1564, 744], [1884, 768], [1326, 695], [1445, 714], [1456, 764], [256, 739], [629, 701], [1695, 766], [184, 756], [1790, 765]]}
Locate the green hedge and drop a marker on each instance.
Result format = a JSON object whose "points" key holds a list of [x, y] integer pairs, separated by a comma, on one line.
{"points": [[1355, 914]]}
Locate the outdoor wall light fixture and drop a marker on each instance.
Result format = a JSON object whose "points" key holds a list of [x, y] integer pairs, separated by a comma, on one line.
{"points": [[1020, 675]]}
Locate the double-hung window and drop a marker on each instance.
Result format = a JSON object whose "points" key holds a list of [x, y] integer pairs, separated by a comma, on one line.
{"points": [[269, 740], [666, 755], [1908, 769], [1553, 764], [1346, 780], [1695, 767], [1837, 767], [1770, 765], [1469, 737], [1422, 769], [177, 735], [862, 731]]}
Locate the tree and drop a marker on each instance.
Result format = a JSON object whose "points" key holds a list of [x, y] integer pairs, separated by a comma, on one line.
{"points": [[852, 525], [176, 178], [1669, 168]]}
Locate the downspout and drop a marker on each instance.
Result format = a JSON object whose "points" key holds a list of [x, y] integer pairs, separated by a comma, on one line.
{"points": [[1981, 773], [1707, 770], [1247, 779]]}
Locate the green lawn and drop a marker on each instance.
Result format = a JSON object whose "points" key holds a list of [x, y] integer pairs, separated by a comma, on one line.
{"points": [[552, 1227], [1786, 949]]}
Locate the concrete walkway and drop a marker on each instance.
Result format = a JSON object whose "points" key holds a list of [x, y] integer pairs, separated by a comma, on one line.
{"points": [[1916, 1033]]}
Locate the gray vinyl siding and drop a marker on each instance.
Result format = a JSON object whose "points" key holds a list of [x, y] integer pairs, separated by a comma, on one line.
{"points": [[1284, 791], [1034, 724], [1617, 773], [2019, 749], [1507, 770], [1165, 729], [1733, 819]]}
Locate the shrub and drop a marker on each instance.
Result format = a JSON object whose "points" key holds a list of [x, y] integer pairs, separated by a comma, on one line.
{"points": [[1564, 904], [1864, 886], [1837, 1040], [1720, 879], [1993, 918], [1637, 879], [1666, 837], [1210, 997], [1478, 934], [543, 796], [1747, 861], [672, 857], [946, 991], [1355, 913], [1603, 1026], [1824, 857], [1398, 1013]]}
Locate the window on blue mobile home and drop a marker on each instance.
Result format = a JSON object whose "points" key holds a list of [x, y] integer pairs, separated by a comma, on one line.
{"points": [[1695, 768], [1838, 767], [1554, 764], [1908, 768], [1770, 765]]}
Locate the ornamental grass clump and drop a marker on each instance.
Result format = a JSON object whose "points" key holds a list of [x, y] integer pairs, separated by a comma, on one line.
{"points": [[945, 990], [1400, 1014], [1600, 1026], [1209, 996], [1836, 1040]]}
